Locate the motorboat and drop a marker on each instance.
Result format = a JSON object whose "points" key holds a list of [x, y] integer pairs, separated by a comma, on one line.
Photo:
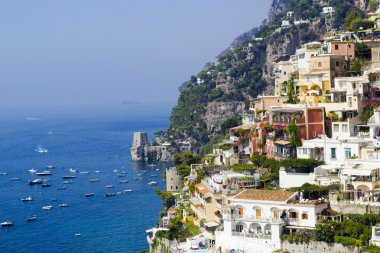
{"points": [[62, 188], [47, 207], [91, 194], [27, 199], [44, 173], [145, 171], [67, 182], [63, 205], [153, 176], [68, 177], [115, 171], [152, 165], [157, 169], [7, 224], [110, 194], [14, 179], [84, 172], [138, 178], [153, 183], [93, 180], [45, 185], [49, 167], [121, 175], [31, 218], [35, 181], [97, 171], [109, 186], [32, 170], [123, 181], [41, 149], [128, 190], [78, 234], [73, 170], [3, 173]]}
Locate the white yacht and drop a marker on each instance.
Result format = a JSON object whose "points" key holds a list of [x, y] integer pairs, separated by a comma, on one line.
{"points": [[41, 149]]}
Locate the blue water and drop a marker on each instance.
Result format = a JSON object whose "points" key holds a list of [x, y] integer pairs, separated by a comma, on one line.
{"points": [[87, 141]]}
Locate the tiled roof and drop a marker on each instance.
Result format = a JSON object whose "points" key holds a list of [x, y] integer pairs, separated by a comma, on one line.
{"points": [[266, 195]]}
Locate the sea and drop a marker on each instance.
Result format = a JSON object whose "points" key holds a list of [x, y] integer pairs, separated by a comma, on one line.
{"points": [[95, 141]]}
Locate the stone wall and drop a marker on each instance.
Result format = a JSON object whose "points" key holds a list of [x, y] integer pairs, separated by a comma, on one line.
{"points": [[317, 247]]}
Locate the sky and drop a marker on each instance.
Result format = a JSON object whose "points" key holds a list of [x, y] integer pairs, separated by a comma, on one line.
{"points": [[75, 52]]}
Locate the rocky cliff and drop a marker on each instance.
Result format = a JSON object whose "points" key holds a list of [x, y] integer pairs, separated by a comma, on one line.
{"points": [[246, 69]]}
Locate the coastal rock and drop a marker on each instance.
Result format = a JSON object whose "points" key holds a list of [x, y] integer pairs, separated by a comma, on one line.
{"points": [[218, 112]]}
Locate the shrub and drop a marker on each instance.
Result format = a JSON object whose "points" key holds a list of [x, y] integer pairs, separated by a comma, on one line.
{"points": [[361, 24], [347, 241]]}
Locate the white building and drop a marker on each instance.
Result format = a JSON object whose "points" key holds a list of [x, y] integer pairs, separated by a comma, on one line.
{"points": [[257, 219], [285, 23], [328, 10]]}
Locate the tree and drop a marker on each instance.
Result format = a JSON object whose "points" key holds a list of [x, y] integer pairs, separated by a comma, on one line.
{"points": [[324, 232], [351, 17], [356, 66], [168, 199], [229, 123], [291, 91], [361, 24]]}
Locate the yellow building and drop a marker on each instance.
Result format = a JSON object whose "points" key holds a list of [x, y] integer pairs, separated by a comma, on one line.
{"points": [[315, 84]]}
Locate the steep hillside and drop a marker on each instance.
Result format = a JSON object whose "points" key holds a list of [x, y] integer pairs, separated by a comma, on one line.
{"points": [[223, 89]]}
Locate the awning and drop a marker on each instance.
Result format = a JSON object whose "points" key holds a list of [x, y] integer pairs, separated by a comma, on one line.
{"points": [[211, 224], [195, 201], [283, 143], [218, 197], [358, 172], [207, 195]]}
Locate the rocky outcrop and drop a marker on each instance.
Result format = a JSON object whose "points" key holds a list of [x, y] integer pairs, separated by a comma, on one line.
{"points": [[218, 112]]}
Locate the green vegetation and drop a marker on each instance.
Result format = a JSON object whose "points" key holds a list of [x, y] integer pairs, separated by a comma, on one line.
{"points": [[291, 91], [229, 123], [352, 15], [361, 24], [183, 162], [168, 199], [207, 148]]}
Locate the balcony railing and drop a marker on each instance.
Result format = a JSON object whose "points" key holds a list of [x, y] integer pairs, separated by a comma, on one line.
{"points": [[253, 218], [252, 235]]}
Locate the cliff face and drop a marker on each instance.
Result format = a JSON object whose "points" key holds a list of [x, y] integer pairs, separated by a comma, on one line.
{"points": [[246, 69]]}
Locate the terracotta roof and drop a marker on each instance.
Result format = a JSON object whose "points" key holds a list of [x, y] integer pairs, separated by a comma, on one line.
{"points": [[172, 209], [199, 186], [204, 191], [268, 195]]}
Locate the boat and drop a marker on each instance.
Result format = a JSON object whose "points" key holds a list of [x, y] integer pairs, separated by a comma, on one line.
{"points": [[47, 207], [62, 188], [3, 173], [152, 165], [115, 171], [63, 205], [67, 182], [145, 171], [32, 170], [44, 173], [153, 183], [68, 177], [91, 194], [14, 178], [97, 171], [128, 190], [27, 199], [110, 194], [93, 180], [41, 149], [53, 199], [45, 185], [121, 175], [73, 170], [78, 234], [157, 169], [153, 176], [139, 174], [31, 218], [84, 172], [123, 181], [35, 181], [109, 186], [6, 223], [138, 178], [49, 167]]}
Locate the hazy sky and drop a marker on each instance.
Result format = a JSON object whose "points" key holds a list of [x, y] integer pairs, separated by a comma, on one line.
{"points": [[108, 51]]}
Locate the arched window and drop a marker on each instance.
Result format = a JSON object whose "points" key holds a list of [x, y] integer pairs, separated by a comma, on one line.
{"points": [[305, 216]]}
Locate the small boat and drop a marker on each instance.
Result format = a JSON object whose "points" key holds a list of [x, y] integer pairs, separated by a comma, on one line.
{"points": [[44, 173], [7, 224], [45, 185], [121, 175], [15, 178], [53, 199], [138, 178], [128, 190], [31, 218], [62, 188], [73, 170], [3, 173], [27, 199], [41, 149], [152, 165], [67, 182], [50, 167], [153, 183], [84, 172], [97, 171], [78, 234], [118, 193], [33, 170], [63, 205], [93, 180], [109, 186], [139, 174], [68, 177], [91, 194], [157, 169], [145, 171], [35, 181], [153, 176], [123, 181], [47, 207], [110, 194], [115, 171]]}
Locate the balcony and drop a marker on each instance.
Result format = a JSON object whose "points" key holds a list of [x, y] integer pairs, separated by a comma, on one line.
{"points": [[253, 218], [251, 235]]}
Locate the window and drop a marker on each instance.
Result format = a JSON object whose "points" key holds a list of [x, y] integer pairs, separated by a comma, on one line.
{"points": [[349, 46], [333, 153], [171, 179], [284, 73], [176, 187], [336, 128], [258, 212], [304, 151], [293, 215], [239, 228], [336, 47], [344, 128], [319, 64], [347, 152], [354, 85], [304, 216], [337, 63]]}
